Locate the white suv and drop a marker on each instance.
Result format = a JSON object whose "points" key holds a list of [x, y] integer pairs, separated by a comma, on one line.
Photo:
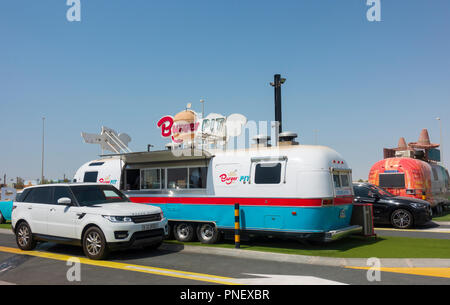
{"points": [[96, 216]]}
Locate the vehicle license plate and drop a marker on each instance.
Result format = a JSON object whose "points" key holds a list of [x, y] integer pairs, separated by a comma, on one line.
{"points": [[149, 226]]}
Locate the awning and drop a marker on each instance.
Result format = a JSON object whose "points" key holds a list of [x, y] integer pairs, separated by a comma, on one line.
{"points": [[163, 156]]}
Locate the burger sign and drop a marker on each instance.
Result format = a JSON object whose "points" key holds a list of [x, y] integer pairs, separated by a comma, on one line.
{"points": [[181, 128]]}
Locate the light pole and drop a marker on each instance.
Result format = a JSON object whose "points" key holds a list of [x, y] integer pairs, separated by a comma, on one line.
{"points": [[42, 164], [203, 108], [440, 140]]}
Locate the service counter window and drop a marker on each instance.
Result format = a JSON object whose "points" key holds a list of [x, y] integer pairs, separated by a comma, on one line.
{"points": [[152, 179], [177, 178], [197, 177]]}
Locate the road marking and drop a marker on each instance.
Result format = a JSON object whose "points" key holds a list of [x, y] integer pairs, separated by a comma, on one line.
{"points": [[272, 279], [259, 279], [435, 272], [412, 230], [127, 267]]}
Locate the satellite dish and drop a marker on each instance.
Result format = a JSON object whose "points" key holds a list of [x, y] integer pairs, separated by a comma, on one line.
{"points": [[235, 123]]}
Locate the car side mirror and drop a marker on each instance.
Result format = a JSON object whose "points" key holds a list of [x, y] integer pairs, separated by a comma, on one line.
{"points": [[376, 196], [65, 201]]}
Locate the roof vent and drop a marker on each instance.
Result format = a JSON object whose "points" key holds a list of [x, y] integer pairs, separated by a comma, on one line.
{"points": [[172, 146], [261, 141], [287, 138]]}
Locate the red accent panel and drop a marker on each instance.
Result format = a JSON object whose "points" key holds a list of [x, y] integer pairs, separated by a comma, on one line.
{"points": [[242, 201], [343, 200]]}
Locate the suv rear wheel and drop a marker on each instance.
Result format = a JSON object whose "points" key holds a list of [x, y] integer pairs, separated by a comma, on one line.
{"points": [[94, 244], [24, 237]]}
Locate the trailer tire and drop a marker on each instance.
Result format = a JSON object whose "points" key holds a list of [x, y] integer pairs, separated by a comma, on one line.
{"points": [[207, 233], [184, 231]]}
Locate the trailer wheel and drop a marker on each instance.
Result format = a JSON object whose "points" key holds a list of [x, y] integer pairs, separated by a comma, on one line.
{"points": [[207, 233], [184, 232]]}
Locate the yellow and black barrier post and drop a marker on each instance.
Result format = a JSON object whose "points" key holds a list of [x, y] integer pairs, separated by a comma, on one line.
{"points": [[237, 227]]}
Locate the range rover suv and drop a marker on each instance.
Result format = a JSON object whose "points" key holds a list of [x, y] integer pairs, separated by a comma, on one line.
{"points": [[97, 217]]}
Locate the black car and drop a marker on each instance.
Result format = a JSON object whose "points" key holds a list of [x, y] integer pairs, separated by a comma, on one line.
{"points": [[400, 212]]}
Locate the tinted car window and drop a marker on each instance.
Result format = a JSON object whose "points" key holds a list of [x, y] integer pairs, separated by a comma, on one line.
{"points": [[361, 191], [60, 192], [21, 197], [89, 195], [268, 173], [40, 195]]}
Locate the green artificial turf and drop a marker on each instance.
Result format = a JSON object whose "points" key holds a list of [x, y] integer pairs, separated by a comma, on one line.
{"points": [[444, 217], [350, 247], [6, 225]]}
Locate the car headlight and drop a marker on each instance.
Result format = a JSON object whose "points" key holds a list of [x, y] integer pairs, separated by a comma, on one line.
{"points": [[418, 205], [118, 218]]}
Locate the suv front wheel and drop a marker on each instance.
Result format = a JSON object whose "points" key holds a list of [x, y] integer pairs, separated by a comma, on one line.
{"points": [[24, 237], [94, 244]]}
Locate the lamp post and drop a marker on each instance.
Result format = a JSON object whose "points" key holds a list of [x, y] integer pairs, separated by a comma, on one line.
{"points": [[440, 140], [42, 163]]}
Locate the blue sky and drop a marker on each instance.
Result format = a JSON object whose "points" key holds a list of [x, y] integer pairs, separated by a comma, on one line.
{"points": [[127, 63]]}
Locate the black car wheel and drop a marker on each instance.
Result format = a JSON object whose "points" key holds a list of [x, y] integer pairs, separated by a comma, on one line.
{"points": [[24, 237], [402, 219]]}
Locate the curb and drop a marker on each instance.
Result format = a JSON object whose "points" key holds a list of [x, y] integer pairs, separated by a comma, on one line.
{"points": [[311, 260], [6, 231], [442, 223]]}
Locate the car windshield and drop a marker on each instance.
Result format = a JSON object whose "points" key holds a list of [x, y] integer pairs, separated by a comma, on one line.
{"points": [[380, 191], [89, 195]]}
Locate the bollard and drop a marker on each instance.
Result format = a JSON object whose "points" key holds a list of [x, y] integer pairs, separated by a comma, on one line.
{"points": [[237, 231]]}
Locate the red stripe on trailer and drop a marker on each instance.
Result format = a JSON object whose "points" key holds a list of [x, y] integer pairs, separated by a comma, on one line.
{"points": [[291, 202]]}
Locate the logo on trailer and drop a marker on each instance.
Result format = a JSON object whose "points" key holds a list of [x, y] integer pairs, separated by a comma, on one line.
{"points": [[182, 127]]}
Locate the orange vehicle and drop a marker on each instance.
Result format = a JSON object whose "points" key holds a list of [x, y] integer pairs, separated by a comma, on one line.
{"points": [[412, 171]]}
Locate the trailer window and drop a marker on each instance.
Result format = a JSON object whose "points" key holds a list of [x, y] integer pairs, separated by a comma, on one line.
{"points": [[197, 177], [435, 174], [90, 177], [268, 173], [177, 178], [392, 180], [152, 179], [344, 180], [337, 181]]}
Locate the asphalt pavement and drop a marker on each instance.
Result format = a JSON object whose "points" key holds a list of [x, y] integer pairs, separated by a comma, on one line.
{"points": [[48, 264]]}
